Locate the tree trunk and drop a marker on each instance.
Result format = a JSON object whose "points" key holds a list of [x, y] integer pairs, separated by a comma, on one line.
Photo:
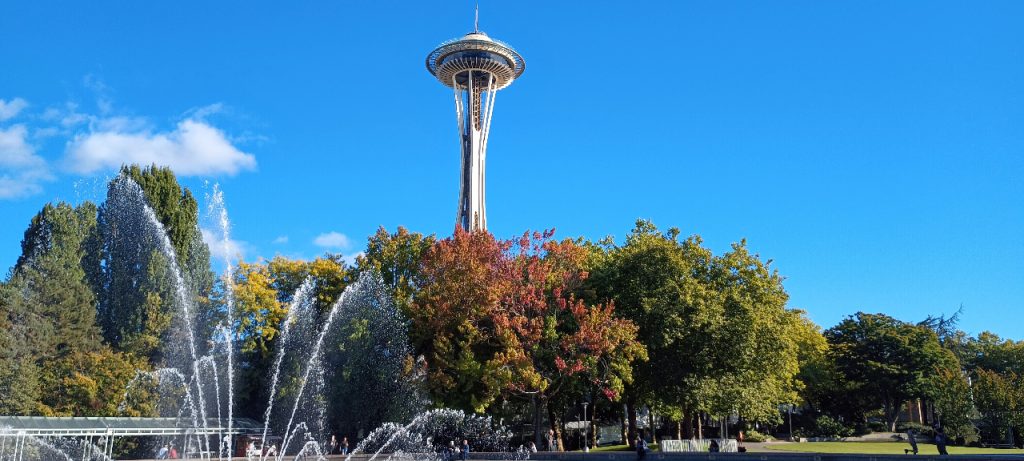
{"points": [[892, 414], [624, 432], [679, 429], [650, 424], [700, 426], [631, 418], [687, 423], [537, 435], [592, 435], [556, 425]]}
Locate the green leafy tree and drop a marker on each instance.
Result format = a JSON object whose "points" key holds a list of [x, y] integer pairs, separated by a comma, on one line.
{"points": [[885, 361], [988, 351], [756, 355], [1000, 401], [660, 284], [950, 392], [716, 328], [263, 292], [91, 383], [396, 257], [372, 376]]}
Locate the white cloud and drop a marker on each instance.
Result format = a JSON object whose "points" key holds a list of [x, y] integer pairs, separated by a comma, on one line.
{"points": [[220, 249], [193, 148], [10, 109], [21, 170], [281, 240], [332, 240], [201, 113]]}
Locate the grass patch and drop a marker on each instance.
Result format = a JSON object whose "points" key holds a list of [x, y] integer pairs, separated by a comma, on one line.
{"points": [[887, 448]]}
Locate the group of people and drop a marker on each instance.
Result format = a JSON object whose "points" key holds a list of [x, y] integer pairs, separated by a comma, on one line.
{"points": [[251, 450], [167, 451], [941, 440], [336, 447], [451, 452]]}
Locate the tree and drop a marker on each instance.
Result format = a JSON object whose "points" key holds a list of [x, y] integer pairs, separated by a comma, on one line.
{"points": [[138, 306], [330, 274], [91, 383], [50, 281], [716, 328], [372, 376], [886, 361], [658, 283], [396, 257], [950, 391], [19, 375], [1000, 401], [496, 319], [263, 292], [460, 286], [557, 347], [756, 355]]}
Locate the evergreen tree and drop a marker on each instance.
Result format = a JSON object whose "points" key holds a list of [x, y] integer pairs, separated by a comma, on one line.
{"points": [[51, 280], [19, 380], [138, 310]]}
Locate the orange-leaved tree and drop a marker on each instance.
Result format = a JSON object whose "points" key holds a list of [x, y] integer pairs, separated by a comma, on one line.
{"points": [[496, 319]]}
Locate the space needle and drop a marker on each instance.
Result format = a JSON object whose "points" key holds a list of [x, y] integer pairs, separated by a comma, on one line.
{"points": [[476, 67]]}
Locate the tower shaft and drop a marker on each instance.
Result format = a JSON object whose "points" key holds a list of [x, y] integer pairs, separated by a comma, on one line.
{"points": [[474, 106]]}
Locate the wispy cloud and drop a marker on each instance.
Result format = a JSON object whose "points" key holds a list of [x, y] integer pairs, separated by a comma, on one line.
{"points": [[334, 240], [281, 240], [194, 148], [22, 172], [201, 113], [10, 109]]}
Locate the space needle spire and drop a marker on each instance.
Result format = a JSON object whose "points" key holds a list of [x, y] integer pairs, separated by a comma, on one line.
{"points": [[475, 67]]}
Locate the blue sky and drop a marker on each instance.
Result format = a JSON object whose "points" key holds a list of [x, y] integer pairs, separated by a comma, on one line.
{"points": [[873, 150]]}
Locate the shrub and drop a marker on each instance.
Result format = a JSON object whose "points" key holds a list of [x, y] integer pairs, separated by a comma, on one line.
{"points": [[754, 436], [877, 426], [828, 427]]}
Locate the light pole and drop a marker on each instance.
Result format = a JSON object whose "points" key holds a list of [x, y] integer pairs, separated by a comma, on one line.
{"points": [[586, 430], [789, 408]]}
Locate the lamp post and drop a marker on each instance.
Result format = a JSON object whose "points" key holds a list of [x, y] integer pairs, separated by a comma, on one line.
{"points": [[586, 431], [789, 409]]}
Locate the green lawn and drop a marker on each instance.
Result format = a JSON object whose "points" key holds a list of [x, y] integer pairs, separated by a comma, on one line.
{"points": [[883, 448]]}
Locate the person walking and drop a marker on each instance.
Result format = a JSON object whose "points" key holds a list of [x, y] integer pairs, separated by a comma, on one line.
{"points": [[332, 446], [464, 450], [344, 446], [913, 442], [162, 454], [641, 446]]}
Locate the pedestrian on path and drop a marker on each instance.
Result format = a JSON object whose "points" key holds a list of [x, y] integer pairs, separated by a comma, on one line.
{"points": [[913, 442]]}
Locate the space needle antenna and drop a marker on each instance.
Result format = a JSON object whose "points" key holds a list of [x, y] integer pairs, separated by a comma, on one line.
{"points": [[476, 18]]}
